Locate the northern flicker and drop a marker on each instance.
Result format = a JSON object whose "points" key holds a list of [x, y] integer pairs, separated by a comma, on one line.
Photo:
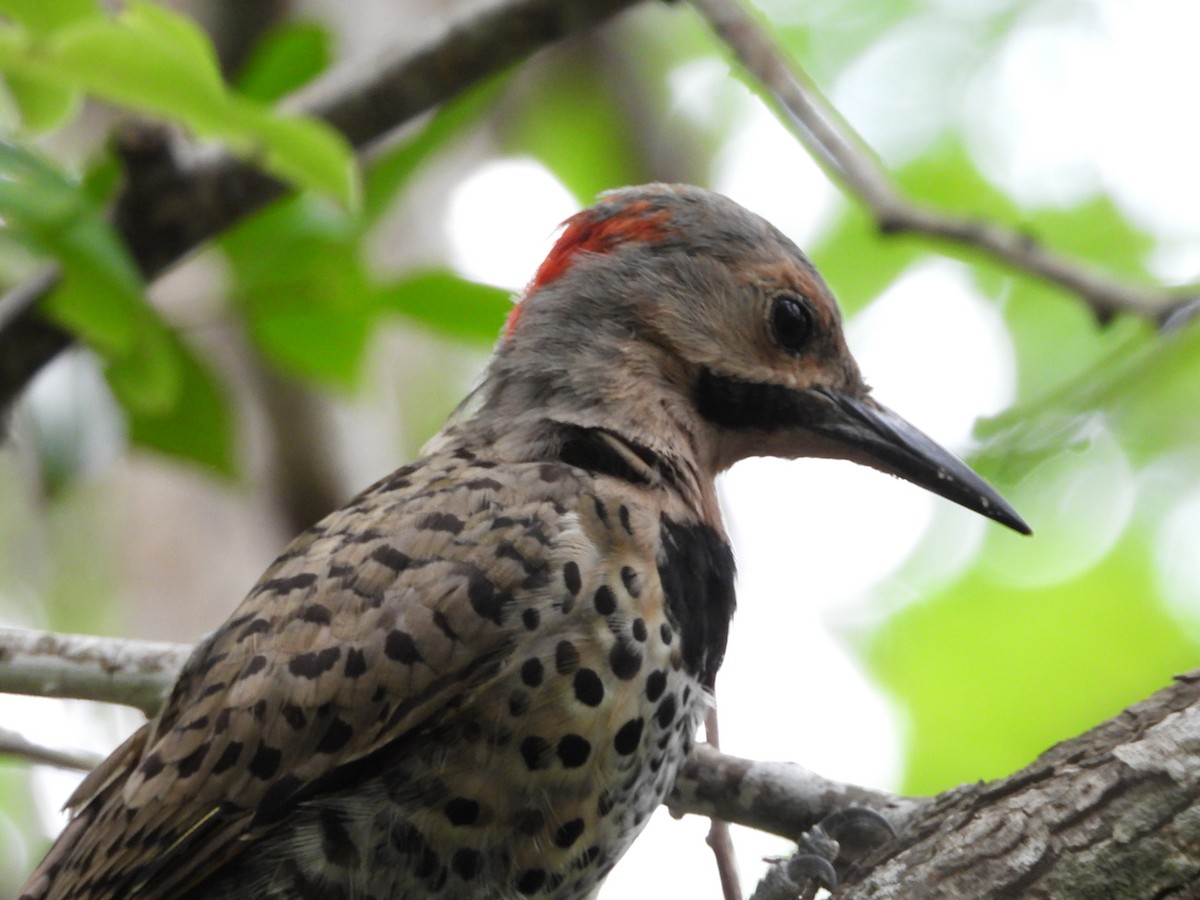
{"points": [[480, 677]]}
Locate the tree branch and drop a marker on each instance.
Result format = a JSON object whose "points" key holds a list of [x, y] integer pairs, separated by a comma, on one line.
{"points": [[777, 797], [178, 195], [13, 744], [847, 159], [81, 667]]}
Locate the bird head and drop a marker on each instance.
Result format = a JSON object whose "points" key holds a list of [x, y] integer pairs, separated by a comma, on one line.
{"points": [[675, 317]]}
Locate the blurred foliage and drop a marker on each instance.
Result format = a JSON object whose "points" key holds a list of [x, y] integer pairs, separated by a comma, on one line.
{"points": [[1010, 646], [301, 279], [154, 61]]}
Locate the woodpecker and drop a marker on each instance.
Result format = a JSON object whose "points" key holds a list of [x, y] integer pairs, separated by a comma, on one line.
{"points": [[479, 678]]}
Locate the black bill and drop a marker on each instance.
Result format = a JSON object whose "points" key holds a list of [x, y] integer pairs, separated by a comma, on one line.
{"points": [[881, 439]]}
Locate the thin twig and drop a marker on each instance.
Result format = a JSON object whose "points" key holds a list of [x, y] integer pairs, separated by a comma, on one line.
{"points": [[178, 195], [846, 158], [719, 840], [13, 744]]}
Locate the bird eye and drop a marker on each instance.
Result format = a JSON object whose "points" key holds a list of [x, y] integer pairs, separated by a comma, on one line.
{"points": [[791, 323]]}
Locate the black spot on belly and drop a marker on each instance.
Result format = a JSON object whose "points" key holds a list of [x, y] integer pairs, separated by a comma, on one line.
{"points": [[356, 663], [294, 716], [665, 714], [337, 737], [625, 659], [589, 689], [566, 658], [573, 750], [532, 671], [568, 833], [392, 558], [229, 756], [191, 763], [531, 881], [656, 683], [536, 752], [265, 762], [462, 811], [466, 863], [604, 601], [336, 843], [440, 521], [316, 613], [572, 577], [518, 703], [628, 736]]}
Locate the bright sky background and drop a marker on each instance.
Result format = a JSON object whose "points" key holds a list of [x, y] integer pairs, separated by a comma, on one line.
{"points": [[1090, 96]]}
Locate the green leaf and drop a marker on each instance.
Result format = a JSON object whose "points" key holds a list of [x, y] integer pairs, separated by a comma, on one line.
{"points": [[300, 282], [101, 177], [169, 397], [287, 57], [148, 58], [449, 304], [42, 104], [1056, 339], [306, 152], [100, 295], [299, 278], [45, 16], [147, 378], [196, 426], [947, 177], [313, 341], [1146, 388], [990, 675]]}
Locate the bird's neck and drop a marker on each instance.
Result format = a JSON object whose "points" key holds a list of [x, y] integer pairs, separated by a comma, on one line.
{"points": [[619, 440]]}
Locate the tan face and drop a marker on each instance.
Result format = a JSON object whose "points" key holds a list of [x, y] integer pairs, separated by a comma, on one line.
{"points": [[760, 338]]}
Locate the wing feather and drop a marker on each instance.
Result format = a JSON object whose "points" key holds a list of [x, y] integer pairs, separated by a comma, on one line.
{"points": [[368, 628]]}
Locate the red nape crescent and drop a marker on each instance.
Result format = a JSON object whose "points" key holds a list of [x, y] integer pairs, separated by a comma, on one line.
{"points": [[595, 230]]}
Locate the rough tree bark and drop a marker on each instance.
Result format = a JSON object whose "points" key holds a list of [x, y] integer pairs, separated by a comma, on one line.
{"points": [[1113, 813]]}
